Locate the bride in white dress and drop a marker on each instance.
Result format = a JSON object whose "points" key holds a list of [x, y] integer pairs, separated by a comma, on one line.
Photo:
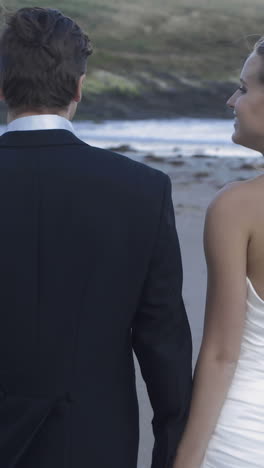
{"points": [[226, 423]]}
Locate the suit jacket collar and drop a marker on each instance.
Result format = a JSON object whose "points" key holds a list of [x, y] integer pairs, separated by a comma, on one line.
{"points": [[39, 138]]}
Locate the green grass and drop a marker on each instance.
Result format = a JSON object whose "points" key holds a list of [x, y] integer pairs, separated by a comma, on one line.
{"points": [[100, 81], [196, 39]]}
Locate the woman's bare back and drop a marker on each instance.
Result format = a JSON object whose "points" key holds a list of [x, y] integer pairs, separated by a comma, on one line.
{"points": [[254, 210]]}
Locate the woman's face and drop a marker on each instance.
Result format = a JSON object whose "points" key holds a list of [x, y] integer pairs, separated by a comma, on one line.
{"points": [[248, 105]]}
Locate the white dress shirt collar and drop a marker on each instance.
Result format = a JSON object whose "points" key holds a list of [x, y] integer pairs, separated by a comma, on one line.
{"points": [[40, 122]]}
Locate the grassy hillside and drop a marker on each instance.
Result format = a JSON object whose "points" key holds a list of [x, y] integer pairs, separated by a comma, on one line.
{"points": [[149, 50]]}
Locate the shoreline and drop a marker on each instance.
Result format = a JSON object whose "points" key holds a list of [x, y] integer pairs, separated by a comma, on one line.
{"points": [[206, 99]]}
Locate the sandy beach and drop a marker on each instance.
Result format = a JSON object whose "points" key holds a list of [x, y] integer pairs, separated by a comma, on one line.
{"points": [[195, 181]]}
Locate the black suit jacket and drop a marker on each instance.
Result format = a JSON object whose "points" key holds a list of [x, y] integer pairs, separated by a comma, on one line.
{"points": [[90, 269]]}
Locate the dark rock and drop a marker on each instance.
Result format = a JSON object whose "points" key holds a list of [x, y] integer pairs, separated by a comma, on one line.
{"points": [[176, 162], [154, 158], [200, 156], [248, 166], [122, 148], [201, 174]]}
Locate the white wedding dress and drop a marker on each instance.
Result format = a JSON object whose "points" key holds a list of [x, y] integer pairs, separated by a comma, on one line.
{"points": [[238, 439]]}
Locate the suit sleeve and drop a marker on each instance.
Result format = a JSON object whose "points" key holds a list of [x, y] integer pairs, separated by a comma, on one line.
{"points": [[162, 339]]}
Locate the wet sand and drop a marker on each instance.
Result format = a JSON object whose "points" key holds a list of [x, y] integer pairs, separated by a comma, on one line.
{"points": [[195, 181]]}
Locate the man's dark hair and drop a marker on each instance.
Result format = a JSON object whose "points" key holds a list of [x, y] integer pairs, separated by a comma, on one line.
{"points": [[42, 56]]}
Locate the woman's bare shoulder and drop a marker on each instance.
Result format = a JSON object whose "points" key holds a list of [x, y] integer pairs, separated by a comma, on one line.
{"points": [[239, 196]]}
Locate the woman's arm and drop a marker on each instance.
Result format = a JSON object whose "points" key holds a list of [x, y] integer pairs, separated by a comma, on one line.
{"points": [[226, 238]]}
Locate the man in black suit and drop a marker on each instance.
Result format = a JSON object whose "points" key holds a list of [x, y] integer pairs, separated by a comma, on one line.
{"points": [[90, 269]]}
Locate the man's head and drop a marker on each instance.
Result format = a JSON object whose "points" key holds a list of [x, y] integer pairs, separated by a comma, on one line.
{"points": [[43, 58]]}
